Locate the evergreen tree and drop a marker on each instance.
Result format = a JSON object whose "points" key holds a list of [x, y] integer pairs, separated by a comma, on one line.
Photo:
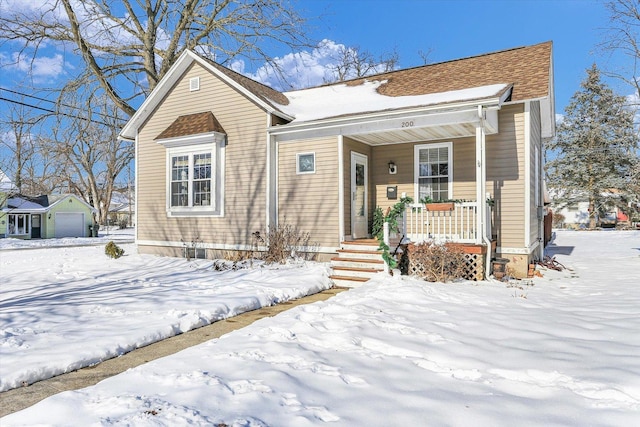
{"points": [[595, 150]]}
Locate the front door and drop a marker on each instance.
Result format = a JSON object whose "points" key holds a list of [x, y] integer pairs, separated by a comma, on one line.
{"points": [[35, 227], [359, 214]]}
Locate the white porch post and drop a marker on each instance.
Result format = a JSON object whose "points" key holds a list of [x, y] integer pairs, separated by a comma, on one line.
{"points": [[481, 177], [341, 225], [481, 189]]}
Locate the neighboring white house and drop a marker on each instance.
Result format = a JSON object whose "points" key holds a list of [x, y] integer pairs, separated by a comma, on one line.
{"points": [[6, 185], [577, 214]]}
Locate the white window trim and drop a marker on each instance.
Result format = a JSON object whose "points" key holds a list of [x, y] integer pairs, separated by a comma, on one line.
{"points": [[28, 224], [298, 155], [416, 167], [214, 143]]}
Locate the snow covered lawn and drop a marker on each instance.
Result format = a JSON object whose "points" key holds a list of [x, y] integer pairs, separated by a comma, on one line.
{"points": [[69, 307], [395, 352]]}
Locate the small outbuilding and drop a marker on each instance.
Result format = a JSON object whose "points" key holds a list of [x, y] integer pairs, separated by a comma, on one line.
{"points": [[45, 217]]}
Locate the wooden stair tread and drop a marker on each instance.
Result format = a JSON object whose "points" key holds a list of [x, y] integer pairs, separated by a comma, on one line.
{"points": [[351, 278], [368, 242], [355, 251], [363, 270], [372, 261]]}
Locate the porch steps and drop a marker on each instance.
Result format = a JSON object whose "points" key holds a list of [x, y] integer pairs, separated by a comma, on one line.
{"points": [[357, 262]]}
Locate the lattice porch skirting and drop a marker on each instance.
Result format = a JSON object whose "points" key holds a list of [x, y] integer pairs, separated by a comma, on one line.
{"points": [[474, 262]]}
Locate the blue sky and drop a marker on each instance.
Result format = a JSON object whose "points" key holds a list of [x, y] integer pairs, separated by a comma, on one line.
{"points": [[448, 29], [459, 28]]}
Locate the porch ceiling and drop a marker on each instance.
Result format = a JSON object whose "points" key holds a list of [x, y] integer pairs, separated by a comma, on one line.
{"points": [[428, 133]]}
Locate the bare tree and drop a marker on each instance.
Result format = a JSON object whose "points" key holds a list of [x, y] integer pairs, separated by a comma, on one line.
{"points": [[128, 46], [424, 55], [352, 62], [33, 170], [91, 152], [623, 38]]}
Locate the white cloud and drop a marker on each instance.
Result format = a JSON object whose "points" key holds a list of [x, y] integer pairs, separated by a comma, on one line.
{"points": [[559, 118], [40, 67], [299, 70]]}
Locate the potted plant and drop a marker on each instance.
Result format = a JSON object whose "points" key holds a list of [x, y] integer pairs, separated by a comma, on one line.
{"points": [[431, 205]]}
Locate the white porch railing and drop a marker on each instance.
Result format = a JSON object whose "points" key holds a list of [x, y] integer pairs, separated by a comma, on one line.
{"points": [[459, 225]]}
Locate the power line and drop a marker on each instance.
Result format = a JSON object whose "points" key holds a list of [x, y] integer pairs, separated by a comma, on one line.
{"points": [[52, 102], [52, 111]]}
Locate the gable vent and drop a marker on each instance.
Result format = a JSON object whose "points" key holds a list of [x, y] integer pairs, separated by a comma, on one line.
{"points": [[194, 84]]}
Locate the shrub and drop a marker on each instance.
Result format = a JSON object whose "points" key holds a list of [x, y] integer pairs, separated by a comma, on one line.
{"points": [[283, 242], [558, 220], [113, 251], [436, 262]]}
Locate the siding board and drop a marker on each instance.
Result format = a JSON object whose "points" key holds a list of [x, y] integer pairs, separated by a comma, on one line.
{"points": [[505, 179], [310, 201], [245, 166]]}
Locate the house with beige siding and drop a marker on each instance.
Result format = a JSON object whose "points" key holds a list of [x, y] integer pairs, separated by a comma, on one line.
{"points": [[220, 156]]}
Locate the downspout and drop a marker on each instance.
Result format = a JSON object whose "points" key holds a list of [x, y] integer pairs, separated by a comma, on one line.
{"points": [[481, 189]]}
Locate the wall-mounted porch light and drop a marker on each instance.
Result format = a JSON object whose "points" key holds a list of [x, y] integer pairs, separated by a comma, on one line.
{"points": [[393, 169]]}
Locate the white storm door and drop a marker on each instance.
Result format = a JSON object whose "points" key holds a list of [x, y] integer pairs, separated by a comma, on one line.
{"points": [[359, 214]]}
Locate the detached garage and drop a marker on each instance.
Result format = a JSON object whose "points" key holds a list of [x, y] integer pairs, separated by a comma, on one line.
{"points": [[55, 216]]}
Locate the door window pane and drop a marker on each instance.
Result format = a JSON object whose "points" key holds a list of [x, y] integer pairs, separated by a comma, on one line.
{"points": [[359, 174]]}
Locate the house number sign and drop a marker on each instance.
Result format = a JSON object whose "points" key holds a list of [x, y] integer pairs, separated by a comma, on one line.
{"points": [[408, 124]]}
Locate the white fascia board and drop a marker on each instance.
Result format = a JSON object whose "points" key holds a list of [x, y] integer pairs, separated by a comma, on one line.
{"points": [[387, 120], [24, 211], [129, 130], [548, 108]]}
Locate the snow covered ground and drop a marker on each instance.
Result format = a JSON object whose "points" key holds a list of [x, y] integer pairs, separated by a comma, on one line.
{"points": [[395, 352], [63, 308]]}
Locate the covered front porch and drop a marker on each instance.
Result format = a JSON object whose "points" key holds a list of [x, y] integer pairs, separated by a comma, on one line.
{"points": [[440, 162], [436, 151]]}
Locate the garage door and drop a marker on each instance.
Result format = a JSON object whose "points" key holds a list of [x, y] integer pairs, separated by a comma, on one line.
{"points": [[70, 224]]}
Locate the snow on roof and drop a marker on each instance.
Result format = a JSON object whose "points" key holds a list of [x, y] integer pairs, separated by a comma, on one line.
{"points": [[23, 204], [343, 99]]}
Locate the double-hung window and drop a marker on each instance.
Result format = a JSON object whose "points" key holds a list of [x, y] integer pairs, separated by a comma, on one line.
{"points": [[433, 171], [195, 168], [191, 180]]}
